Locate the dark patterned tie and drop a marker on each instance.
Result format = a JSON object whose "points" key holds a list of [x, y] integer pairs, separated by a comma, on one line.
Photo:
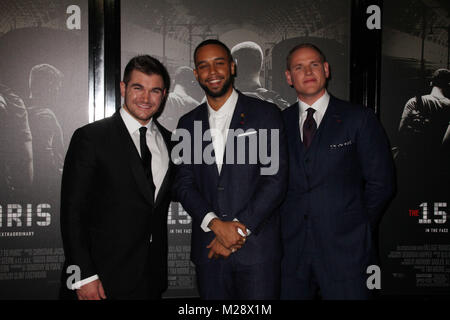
{"points": [[146, 157], [309, 128]]}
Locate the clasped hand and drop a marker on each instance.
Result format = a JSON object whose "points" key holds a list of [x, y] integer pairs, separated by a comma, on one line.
{"points": [[227, 239]]}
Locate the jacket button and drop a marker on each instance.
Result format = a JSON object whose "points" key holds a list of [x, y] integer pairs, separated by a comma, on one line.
{"points": [[220, 188], [305, 217]]}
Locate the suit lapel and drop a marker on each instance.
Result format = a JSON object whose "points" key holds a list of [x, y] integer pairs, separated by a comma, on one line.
{"points": [[133, 158], [297, 138], [327, 130], [165, 184], [237, 122], [211, 169]]}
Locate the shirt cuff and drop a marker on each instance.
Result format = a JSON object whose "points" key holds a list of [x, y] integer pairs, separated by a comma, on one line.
{"points": [[206, 220], [79, 284], [239, 229]]}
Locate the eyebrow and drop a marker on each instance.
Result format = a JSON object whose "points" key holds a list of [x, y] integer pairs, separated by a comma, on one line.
{"points": [[141, 86], [215, 59]]}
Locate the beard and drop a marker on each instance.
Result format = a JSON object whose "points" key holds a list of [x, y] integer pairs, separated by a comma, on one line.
{"points": [[219, 93]]}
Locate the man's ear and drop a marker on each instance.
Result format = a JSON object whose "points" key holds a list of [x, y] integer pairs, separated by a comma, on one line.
{"points": [[326, 67], [123, 87], [195, 74], [233, 68], [288, 77]]}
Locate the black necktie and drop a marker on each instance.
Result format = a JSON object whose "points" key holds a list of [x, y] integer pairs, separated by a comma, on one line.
{"points": [[309, 128], [146, 157]]}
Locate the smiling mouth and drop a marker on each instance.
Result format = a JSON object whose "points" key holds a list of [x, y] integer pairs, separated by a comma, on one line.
{"points": [[144, 106], [309, 80], [214, 82]]}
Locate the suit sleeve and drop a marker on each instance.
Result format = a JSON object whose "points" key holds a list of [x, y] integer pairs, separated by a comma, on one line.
{"points": [[271, 188], [185, 189], [377, 165], [76, 190]]}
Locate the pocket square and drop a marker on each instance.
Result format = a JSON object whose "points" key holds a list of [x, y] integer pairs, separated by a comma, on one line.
{"points": [[341, 145], [246, 133]]}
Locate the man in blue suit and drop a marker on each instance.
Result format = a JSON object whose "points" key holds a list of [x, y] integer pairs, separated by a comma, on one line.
{"points": [[340, 179], [231, 179]]}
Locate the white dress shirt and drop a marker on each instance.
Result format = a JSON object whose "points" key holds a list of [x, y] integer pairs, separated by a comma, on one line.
{"points": [[219, 124], [320, 106], [160, 160], [156, 144]]}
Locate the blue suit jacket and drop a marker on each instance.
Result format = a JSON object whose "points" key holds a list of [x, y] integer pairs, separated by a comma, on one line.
{"points": [[340, 186], [240, 191]]}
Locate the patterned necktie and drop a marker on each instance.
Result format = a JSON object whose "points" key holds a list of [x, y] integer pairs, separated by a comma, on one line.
{"points": [[309, 128], [146, 157]]}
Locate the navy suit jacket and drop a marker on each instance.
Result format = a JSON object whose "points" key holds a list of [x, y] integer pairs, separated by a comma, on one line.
{"points": [[340, 186], [240, 191]]}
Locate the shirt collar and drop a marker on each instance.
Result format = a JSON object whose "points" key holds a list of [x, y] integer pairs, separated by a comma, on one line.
{"points": [[132, 124], [320, 105], [228, 107]]}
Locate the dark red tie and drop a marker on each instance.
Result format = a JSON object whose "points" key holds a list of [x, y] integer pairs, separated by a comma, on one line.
{"points": [[309, 128]]}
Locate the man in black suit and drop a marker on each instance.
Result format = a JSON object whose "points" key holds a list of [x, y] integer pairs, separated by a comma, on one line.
{"points": [[341, 178], [232, 199], [116, 193]]}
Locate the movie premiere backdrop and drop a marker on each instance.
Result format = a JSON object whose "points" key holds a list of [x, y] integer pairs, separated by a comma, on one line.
{"points": [[415, 112], [44, 97]]}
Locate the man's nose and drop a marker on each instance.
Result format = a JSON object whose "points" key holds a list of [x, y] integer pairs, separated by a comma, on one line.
{"points": [[213, 69], [308, 70], [146, 96]]}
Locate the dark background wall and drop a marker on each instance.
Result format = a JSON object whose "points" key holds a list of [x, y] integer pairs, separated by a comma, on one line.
{"points": [[80, 66]]}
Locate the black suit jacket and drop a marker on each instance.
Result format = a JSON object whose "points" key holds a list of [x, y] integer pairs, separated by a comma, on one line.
{"points": [[108, 214]]}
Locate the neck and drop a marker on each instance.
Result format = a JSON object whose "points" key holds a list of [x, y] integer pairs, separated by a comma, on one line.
{"points": [[310, 100], [249, 83], [217, 102], [437, 92]]}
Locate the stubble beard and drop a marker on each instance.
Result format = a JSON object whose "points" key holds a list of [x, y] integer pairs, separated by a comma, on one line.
{"points": [[221, 92]]}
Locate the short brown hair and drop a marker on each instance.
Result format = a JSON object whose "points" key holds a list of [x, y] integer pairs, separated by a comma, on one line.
{"points": [[148, 65], [301, 46]]}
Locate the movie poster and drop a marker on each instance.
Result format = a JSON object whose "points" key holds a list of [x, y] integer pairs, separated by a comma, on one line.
{"points": [[259, 33], [43, 99], [415, 111]]}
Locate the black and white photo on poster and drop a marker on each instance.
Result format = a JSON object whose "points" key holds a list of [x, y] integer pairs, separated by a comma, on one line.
{"points": [[43, 99], [259, 34], [415, 111]]}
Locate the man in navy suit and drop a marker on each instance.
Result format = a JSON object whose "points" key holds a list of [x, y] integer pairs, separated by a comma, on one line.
{"points": [[340, 179], [231, 179]]}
